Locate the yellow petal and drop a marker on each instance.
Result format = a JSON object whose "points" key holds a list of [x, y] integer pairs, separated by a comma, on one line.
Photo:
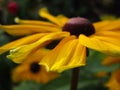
{"points": [[22, 41], [66, 55], [36, 55], [103, 44], [107, 25], [18, 54], [79, 55], [45, 14], [18, 30], [101, 24], [108, 36], [111, 60], [34, 22], [63, 20]]}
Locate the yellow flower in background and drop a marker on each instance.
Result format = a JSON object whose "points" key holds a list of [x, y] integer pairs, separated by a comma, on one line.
{"points": [[75, 35], [31, 70], [114, 81]]}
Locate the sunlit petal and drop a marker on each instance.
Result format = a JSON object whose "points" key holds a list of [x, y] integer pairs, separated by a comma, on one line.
{"points": [[108, 36], [22, 52], [35, 55], [34, 22], [18, 30], [62, 19], [65, 56], [22, 41], [45, 14], [107, 25], [102, 44]]}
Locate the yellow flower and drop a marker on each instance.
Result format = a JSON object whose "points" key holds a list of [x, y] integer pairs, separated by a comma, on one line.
{"points": [[71, 51], [31, 70], [114, 82], [75, 34]]}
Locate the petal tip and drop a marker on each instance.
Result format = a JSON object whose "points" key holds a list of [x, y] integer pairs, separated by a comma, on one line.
{"points": [[46, 66], [17, 20], [42, 11]]}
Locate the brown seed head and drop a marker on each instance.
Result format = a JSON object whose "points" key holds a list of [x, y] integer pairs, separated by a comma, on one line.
{"points": [[78, 25]]}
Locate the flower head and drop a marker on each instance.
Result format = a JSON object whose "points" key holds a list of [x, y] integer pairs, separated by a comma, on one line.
{"points": [[31, 70], [75, 35], [71, 51], [114, 81], [79, 25]]}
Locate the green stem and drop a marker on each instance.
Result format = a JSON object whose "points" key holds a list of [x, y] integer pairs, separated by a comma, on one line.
{"points": [[74, 79]]}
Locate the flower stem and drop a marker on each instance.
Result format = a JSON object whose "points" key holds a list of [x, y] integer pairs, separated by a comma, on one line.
{"points": [[74, 80]]}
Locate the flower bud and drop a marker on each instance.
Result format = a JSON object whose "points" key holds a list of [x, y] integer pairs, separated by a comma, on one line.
{"points": [[12, 7]]}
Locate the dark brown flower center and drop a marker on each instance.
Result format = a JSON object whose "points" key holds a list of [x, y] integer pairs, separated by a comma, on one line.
{"points": [[35, 67], [78, 25]]}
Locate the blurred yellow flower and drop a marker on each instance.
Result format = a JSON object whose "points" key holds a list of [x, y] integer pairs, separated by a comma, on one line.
{"points": [[114, 81], [31, 70], [75, 34]]}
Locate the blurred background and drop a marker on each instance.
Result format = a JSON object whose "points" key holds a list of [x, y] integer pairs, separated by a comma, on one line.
{"points": [[94, 10]]}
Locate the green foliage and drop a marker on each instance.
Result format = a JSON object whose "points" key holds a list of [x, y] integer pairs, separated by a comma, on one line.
{"points": [[27, 85]]}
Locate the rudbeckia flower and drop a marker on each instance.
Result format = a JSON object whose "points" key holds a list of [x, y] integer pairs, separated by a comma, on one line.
{"points": [[71, 51], [75, 34], [114, 81], [31, 70]]}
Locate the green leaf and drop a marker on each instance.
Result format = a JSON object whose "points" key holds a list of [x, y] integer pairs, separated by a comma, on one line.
{"points": [[27, 85]]}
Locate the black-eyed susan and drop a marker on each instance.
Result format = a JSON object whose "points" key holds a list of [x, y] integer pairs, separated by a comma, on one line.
{"points": [[75, 34], [114, 81], [71, 51], [31, 70]]}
